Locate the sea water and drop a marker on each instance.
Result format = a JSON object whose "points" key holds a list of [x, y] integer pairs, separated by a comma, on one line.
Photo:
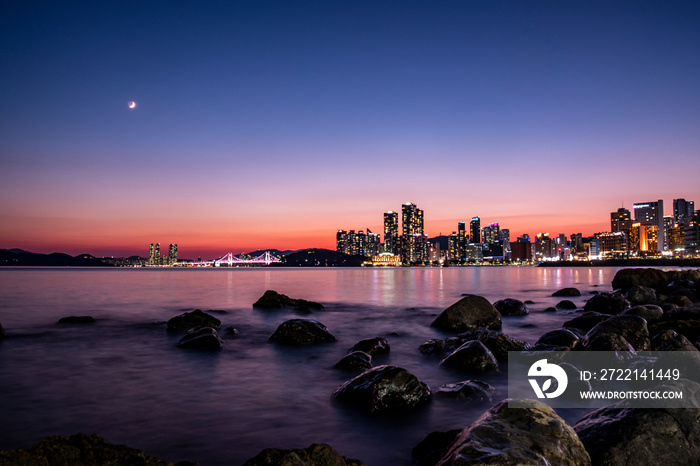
{"points": [[124, 378]]}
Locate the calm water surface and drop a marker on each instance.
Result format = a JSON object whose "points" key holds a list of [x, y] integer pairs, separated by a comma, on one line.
{"points": [[124, 378]]}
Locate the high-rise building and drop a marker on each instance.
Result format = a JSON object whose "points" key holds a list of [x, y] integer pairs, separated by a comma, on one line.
{"points": [[504, 239], [156, 254], [391, 232], [341, 242], [545, 247], [462, 241], [612, 243], [577, 242], [414, 244], [453, 253], [151, 259], [475, 230], [620, 220], [682, 209], [651, 213], [490, 234], [172, 254]]}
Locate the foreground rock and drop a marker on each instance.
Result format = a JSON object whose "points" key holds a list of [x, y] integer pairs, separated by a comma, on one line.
{"points": [[651, 278], [607, 303], [515, 436], [301, 332], [567, 292], [83, 450], [274, 300], [498, 343], [511, 307], [384, 389], [469, 313], [191, 321], [204, 339], [472, 390], [632, 328], [472, 357], [357, 360], [77, 320], [318, 454], [372, 346], [662, 436]]}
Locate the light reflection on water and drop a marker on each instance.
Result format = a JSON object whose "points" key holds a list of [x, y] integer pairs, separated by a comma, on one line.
{"points": [[124, 378]]}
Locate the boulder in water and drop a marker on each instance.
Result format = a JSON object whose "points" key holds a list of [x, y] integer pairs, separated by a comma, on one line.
{"points": [[559, 337], [473, 390], [567, 292], [318, 454], [640, 295], [511, 307], [357, 360], [469, 313], [586, 321], [204, 339], [668, 340], [631, 328], [607, 303], [301, 332], [77, 320], [498, 343], [472, 357], [274, 300], [372, 346], [191, 321], [566, 304]]}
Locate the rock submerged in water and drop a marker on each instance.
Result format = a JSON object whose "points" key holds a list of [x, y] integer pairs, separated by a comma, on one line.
{"points": [[204, 339], [274, 300], [298, 332], [607, 303], [384, 389], [473, 390], [632, 328], [472, 312], [357, 360], [566, 304], [81, 449], [3, 333], [192, 321], [77, 320], [511, 307], [318, 454], [534, 434], [372, 346], [472, 357], [567, 292]]}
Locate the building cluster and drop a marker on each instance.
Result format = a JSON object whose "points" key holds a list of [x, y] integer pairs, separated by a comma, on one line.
{"points": [[645, 233], [154, 257]]}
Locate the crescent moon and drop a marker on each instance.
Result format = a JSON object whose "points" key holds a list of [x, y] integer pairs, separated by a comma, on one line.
{"points": [[132, 104]]}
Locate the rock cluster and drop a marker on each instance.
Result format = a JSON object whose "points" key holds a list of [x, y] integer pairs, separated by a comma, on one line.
{"points": [[200, 329], [318, 454]]}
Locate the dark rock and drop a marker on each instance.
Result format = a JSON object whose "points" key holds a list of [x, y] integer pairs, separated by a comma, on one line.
{"points": [[357, 360], [191, 321], [666, 307], [301, 332], [586, 321], [551, 309], [648, 312], [79, 450], [607, 303], [518, 436], [529, 301], [675, 285], [627, 278], [631, 328], [560, 337], [433, 447], [77, 320], [3, 333], [660, 436], [567, 292], [472, 357], [434, 346], [679, 300], [274, 300], [318, 454], [640, 295], [619, 348], [469, 313], [566, 304], [668, 340], [689, 328], [384, 389], [372, 346], [231, 332], [498, 343], [511, 307], [473, 390], [204, 339]]}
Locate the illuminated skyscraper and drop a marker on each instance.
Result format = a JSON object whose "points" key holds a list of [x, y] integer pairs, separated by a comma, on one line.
{"points": [[620, 220], [172, 254], [341, 242], [414, 243], [682, 209], [651, 213], [461, 241], [391, 232], [475, 230], [151, 260], [156, 254]]}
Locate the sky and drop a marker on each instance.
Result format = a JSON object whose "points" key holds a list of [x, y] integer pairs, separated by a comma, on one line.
{"points": [[274, 124]]}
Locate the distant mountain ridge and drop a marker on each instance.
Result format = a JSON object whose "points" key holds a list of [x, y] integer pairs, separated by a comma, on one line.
{"points": [[21, 258]]}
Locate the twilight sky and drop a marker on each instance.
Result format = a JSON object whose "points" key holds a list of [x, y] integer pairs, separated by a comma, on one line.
{"points": [[273, 124]]}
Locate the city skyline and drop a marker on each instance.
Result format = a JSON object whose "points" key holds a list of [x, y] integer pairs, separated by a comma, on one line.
{"points": [[273, 126]]}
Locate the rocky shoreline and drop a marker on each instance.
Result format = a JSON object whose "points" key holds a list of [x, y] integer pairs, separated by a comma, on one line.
{"points": [[648, 309]]}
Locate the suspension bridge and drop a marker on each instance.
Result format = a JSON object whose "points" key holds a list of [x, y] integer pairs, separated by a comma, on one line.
{"points": [[230, 260]]}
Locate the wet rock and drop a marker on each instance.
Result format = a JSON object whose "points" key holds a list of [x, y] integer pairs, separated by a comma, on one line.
{"points": [[668, 340], [433, 447], [586, 321], [498, 343], [372, 346], [648, 312], [357, 360], [511, 307], [607, 303], [469, 313], [631, 328], [559, 337], [619, 348], [473, 390], [685, 321], [661, 436], [517, 436], [627, 278], [191, 321], [675, 285], [3, 333], [640, 295], [679, 300], [551, 309], [472, 357], [274, 300], [80, 449], [301, 332], [384, 389], [566, 304], [77, 320], [318, 454], [529, 301], [434, 346], [204, 339], [231, 332], [567, 292]]}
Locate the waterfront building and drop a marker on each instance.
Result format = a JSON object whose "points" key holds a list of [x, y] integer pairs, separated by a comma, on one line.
{"points": [[545, 247], [475, 252], [691, 234], [611, 243], [593, 249], [391, 232], [414, 244], [172, 254], [504, 239], [462, 241], [434, 252], [521, 251], [682, 209], [620, 220], [676, 238], [386, 259], [475, 230], [341, 242], [651, 213], [151, 249], [453, 252], [576, 243]]}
